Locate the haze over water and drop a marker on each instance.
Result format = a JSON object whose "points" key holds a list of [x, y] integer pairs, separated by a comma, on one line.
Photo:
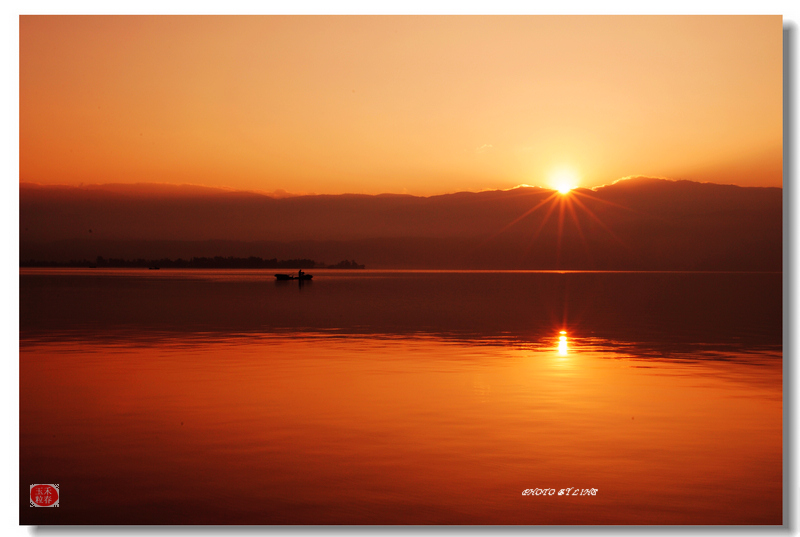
{"points": [[409, 397]]}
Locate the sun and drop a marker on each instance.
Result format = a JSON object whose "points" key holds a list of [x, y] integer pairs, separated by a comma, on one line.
{"points": [[563, 180]]}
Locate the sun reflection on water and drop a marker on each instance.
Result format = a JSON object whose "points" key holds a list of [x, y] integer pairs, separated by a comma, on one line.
{"points": [[562, 343]]}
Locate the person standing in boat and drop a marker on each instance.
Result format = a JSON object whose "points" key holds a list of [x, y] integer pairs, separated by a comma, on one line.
{"points": [[300, 274]]}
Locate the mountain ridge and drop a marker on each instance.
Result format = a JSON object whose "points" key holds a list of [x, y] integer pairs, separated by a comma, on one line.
{"points": [[637, 223]]}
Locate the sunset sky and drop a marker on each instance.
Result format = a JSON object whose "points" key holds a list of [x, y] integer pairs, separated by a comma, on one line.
{"points": [[411, 104]]}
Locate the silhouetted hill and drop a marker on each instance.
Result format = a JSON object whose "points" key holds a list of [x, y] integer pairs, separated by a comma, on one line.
{"points": [[633, 224]]}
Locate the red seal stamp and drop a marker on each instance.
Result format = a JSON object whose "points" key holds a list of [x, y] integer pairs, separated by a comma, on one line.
{"points": [[44, 495]]}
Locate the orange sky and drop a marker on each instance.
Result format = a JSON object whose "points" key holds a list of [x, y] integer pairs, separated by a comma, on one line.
{"points": [[423, 105]]}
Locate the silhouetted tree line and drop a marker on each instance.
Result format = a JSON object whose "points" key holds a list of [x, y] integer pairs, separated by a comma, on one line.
{"points": [[346, 265], [195, 262]]}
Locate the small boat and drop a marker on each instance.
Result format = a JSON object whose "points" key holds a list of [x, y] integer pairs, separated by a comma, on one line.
{"points": [[154, 268], [284, 277]]}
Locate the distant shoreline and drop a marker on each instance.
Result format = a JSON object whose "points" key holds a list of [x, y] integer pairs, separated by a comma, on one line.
{"points": [[194, 262]]}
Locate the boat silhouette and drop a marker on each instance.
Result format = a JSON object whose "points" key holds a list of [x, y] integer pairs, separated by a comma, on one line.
{"points": [[290, 277]]}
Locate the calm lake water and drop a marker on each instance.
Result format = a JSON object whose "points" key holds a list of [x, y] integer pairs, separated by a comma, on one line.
{"points": [[381, 397]]}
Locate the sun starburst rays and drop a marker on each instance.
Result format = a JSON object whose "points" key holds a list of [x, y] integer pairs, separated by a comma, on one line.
{"points": [[522, 216], [568, 202]]}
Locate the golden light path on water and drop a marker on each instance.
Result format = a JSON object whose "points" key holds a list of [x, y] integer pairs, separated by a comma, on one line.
{"points": [[562, 343], [402, 430]]}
